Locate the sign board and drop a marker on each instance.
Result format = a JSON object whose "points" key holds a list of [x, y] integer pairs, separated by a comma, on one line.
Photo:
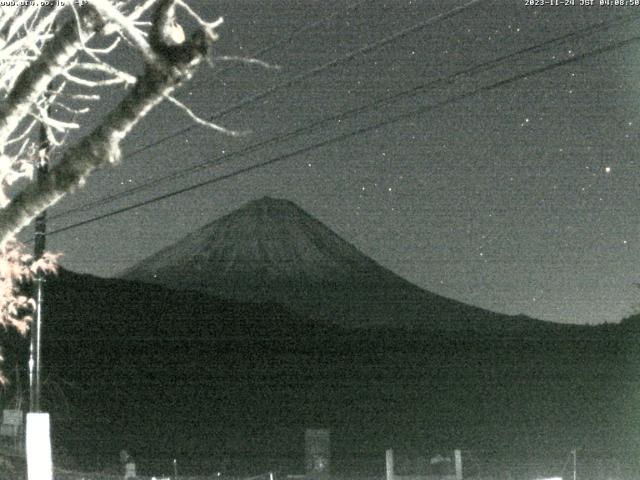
{"points": [[12, 417], [11, 423]]}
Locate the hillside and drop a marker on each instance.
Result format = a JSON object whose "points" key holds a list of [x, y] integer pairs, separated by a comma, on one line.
{"points": [[182, 374]]}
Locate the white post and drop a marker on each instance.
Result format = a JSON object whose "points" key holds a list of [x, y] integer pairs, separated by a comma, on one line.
{"points": [[389, 464], [458, 456], [39, 464]]}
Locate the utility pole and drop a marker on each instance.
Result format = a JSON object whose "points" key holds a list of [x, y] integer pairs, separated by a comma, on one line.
{"points": [[35, 360], [574, 452], [38, 431]]}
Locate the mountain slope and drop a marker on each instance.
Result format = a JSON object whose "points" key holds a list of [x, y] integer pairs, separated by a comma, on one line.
{"points": [[271, 250]]}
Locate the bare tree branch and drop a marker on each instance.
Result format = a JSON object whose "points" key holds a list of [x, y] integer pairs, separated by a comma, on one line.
{"points": [[175, 64], [34, 79]]}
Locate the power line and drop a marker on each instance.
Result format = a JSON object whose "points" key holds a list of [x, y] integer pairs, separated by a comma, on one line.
{"points": [[309, 73], [359, 131], [288, 38], [247, 100], [314, 71], [416, 90]]}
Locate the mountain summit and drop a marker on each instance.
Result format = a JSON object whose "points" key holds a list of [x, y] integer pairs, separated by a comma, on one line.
{"points": [[270, 250]]}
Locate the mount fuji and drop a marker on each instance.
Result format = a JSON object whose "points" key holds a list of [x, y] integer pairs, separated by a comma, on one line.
{"points": [[270, 250], [313, 332]]}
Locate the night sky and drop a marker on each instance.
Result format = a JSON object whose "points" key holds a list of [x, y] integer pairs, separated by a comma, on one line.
{"points": [[519, 198]]}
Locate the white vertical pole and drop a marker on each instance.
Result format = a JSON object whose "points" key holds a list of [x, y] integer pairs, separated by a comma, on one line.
{"points": [[39, 464], [458, 456], [389, 458]]}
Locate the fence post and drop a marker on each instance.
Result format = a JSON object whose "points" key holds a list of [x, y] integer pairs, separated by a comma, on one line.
{"points": [[389, 462], [458, 456], [317, 445]]}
